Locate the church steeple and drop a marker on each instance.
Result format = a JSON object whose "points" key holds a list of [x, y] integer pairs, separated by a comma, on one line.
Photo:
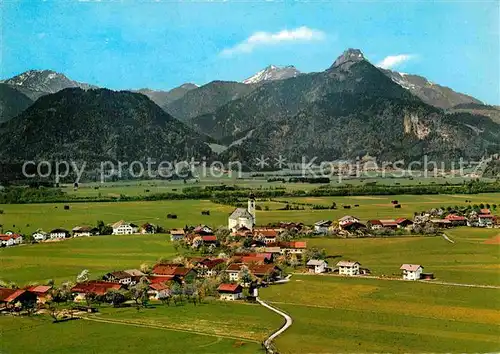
{"points": [[251, 207]]}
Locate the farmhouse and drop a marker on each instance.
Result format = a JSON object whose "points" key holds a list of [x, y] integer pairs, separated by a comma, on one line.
{"points": [[293, 247], [39, 236], [230, 291], [233, 271], [42, 292], [79, 231], [404, 223], [203, 230], [10, 297], [348, 268], [208, 267], [485, 220], [123, 228], [266, 235], [209, 239], [183, 273], [348, 219], [456, 220], [58, 234], [411, 271], [374, 224], [157, 291], [317, 266], [10, 240], [265, 271], [441, 223], [120, 277], [177, 234], [94, 286], [353, 226], [242, 217], [321, 227]]}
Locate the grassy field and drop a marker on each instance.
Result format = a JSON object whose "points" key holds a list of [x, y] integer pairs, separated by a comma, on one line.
{"points": [[145, 187], [29, 217], [333, 314], [468, 260], [66, 259], [83, 336]]}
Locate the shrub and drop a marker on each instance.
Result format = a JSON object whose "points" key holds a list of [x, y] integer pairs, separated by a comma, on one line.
{"points": [[66, 207]]}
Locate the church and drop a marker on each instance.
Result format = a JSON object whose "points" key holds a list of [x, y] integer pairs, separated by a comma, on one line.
{"points": [[242, 217]]}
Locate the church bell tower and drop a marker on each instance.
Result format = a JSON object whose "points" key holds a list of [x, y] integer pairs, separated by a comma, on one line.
{"points": [[251, 207]]}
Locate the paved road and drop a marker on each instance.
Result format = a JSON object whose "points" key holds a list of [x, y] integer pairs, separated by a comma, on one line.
{"points": [[288, 323]]}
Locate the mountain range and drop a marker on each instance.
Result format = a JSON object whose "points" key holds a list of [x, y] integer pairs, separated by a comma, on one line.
{"points": [[351, 109]]}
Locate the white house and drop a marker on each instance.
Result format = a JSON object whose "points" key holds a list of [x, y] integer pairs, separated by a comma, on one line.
{"points": [[348, 268], [317, 266], [58, 234], [39, 236], [123, 228], [321, 227], [411, 271], [347, 220], [230, 291], [242, 217]]}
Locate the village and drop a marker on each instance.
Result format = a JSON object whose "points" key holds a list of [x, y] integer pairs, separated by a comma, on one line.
{"points": [[229, 263]]}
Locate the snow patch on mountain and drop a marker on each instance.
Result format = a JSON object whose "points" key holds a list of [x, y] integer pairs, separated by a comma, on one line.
{"points": [[271, 73]]}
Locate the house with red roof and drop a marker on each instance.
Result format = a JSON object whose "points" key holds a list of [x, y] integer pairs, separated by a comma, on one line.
{"points": [[293, 247], [208, 267], [159, 290], [209, 240], [9, 298], [7, 240], [230, 291], [411, 271], [97, 287], [42, 292], [183, 273], [266, 235], [404, 223], [456, 220]]}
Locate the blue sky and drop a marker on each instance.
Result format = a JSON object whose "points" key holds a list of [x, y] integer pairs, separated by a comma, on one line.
{"points": [[162, 44]]}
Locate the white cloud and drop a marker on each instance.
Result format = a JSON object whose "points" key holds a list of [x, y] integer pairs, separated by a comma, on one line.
{"points": [[301, 34], [392, 61]]}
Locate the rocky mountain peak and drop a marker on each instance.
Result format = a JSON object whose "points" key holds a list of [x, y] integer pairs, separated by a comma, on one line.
{"points": [[349, 56], [47, 81], [271, 73]]}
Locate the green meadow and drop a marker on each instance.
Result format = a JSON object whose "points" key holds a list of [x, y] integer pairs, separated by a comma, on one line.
{"points": [[330, 313], [469, 260], [30, 217], [64, 260], [39, 336], [334, 314]]}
